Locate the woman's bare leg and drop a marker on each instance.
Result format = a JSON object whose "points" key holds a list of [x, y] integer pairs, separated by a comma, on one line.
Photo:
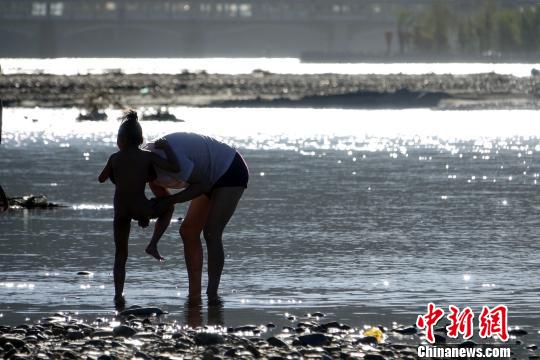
{"points": [[190, 232], [162, 222], [222, 206]]}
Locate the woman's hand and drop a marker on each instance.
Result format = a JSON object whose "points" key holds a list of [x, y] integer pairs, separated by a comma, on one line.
{"points": [[161, 143]]}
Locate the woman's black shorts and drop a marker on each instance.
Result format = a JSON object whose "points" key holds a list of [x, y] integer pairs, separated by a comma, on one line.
{"points": [[237, 175]]}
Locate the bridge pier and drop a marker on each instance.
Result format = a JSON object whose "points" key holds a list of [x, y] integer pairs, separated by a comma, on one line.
{"points": [[193, 41], [339, 38], [47, 39]]}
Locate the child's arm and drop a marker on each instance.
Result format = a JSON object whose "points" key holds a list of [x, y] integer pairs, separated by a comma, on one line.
{"points": [[106, 172], [171, 163]]}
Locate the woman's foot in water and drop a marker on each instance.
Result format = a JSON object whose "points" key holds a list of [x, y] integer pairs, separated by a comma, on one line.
{"points": [[119, 302], [152, 250]]}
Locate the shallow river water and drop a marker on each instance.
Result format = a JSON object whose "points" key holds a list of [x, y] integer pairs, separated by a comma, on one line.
{"points": [[365, 215]]}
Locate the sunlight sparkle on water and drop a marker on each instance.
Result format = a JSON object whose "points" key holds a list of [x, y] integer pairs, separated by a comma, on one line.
{"points": [[350, 130], [72, 66]]}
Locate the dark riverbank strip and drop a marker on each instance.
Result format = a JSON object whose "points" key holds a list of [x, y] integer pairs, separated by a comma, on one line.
{"points": [[263, 89], [142, 335]]}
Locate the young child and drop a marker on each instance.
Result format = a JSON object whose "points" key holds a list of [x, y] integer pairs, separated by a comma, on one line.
{"points": [[129, 169]]}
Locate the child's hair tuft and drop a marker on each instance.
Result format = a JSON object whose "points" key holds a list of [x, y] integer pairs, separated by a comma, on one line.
{"points": [[130, 129]]}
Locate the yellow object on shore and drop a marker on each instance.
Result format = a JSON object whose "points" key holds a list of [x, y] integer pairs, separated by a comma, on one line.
{"points": [[375, 332]]}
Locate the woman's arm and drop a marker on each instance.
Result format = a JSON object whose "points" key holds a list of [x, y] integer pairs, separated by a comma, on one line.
{"points": [[106, 172], [190, 193], [171, 163]]}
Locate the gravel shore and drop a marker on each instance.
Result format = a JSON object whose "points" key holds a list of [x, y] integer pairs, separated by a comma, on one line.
{"points": [[138, 333], [260, 88]]}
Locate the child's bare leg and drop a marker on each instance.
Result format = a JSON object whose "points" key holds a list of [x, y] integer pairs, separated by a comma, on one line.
{"points": [[162, 223], [122, 227]]}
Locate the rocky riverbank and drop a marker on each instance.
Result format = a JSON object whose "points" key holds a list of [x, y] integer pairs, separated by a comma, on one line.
{"points": [[139, 333], [260, 88]]}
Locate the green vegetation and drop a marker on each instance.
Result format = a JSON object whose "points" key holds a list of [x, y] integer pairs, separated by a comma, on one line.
{"points": [[480, 28]]}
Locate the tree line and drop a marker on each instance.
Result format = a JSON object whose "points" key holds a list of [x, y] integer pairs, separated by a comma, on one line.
{"points": [[489, 27]]}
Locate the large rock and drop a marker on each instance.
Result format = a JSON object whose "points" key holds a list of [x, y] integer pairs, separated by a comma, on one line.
{"points": [[314, 339], [123, 331]]}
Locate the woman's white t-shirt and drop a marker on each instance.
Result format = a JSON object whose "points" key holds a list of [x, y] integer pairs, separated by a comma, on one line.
{"points": [[202, 159]]}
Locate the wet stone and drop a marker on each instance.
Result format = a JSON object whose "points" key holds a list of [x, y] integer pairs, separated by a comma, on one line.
{"points": [[69, 354], [331, 325], [75, 335], [368, 340], [439, 339], [517, 332], [10, 353], [142, 355], [246, 328], [85, 273], [374, 357], [102, 333], [313, 339], [123, 331], [16, 342], [274, 341], [208, 339], [409, 330], [95, 343], [467, 344], [142, 311]]}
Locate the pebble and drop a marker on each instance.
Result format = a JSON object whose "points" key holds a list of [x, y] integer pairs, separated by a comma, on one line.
{"points": [[85, 273]]}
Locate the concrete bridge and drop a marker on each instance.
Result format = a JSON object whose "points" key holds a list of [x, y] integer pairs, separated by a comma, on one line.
{"points": [[196, 28]]}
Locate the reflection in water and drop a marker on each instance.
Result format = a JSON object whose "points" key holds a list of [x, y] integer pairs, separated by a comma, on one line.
{"points": [[193, 312], [215, 311]]}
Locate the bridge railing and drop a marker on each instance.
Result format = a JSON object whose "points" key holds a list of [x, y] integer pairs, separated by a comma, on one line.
{"points": [[198, 9], [275, 10]]}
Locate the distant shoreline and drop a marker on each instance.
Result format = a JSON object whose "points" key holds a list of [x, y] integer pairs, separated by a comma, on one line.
{"points": [[264, 89]]}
